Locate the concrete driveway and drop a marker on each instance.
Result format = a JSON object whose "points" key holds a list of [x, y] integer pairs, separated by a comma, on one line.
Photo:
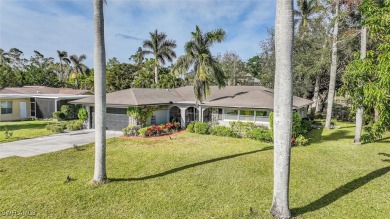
{"points": [[51, 143]]}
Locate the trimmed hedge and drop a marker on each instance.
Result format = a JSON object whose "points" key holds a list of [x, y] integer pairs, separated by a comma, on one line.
{"points": [[201, 128], [221, 130]]}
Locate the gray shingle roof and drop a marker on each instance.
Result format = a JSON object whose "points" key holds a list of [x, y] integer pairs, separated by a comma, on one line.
{"points": [[41, 90], [231, 96]]}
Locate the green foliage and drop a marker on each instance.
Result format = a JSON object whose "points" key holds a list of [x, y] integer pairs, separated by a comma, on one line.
{"points": [[142, 131], [120, 76], [221, 130], [131, 130], [190, 127], [82, 114], [141, 113], [7, 133], [70, 111], [301, 140], [57, 127], [75, 125], [306, 126], [59, 116], [296, 127], [299, 127], [241, 128], [260, 134], [201, 128]]}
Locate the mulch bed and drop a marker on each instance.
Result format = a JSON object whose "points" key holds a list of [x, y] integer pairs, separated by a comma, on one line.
{"points": [[154, 137]]}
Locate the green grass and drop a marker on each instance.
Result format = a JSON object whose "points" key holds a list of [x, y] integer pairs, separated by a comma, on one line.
{"points": [[24, 130], [194, 176]]}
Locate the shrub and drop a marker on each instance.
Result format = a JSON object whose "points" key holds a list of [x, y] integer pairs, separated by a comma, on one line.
{"points": [[296, 126], [131, 130], [74, 125], [201, 128], [301, 140], [59, 116], [240, 128], [82, 114], [306, 126], [221, 130], [56, 127], [260, 134], [70, 111], [190, 127], [142, 132]]}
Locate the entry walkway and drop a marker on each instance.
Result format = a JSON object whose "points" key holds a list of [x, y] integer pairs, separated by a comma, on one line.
{"points": [[51, 143]]}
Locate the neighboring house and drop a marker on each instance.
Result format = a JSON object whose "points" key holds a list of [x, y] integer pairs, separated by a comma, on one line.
{"points": [[232, 103], [18, 103]]}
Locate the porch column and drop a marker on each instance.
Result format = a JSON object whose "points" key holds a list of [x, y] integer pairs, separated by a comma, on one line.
{"points": [[89, 124], [55, 105], [200, 112], [183, 117]]}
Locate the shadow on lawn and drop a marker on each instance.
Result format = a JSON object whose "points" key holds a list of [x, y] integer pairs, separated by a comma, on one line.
{"points": [[340, 192], [174, 170]]}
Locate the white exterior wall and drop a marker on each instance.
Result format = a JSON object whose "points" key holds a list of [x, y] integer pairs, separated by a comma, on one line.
{"points": [[161, 117]]}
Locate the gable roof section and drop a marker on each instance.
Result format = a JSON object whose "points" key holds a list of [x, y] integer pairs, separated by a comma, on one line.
{"points": [[231, 96]]}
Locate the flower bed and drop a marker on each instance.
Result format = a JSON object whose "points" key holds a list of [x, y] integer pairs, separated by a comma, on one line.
{"points": [[152, 131]]}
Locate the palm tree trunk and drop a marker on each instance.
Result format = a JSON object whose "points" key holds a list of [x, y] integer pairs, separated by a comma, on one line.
{"points": [[360, 110], [282, 108], [333, 69], [100, 94]]}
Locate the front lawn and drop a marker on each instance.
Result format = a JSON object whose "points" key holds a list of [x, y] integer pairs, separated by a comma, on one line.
{"points": [[23, 130], [200, 176]]}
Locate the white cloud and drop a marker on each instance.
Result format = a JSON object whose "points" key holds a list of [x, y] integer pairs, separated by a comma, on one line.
{"points": [[68, 25]]}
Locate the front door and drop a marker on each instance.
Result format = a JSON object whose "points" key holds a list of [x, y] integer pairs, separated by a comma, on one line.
{"points": [[23, 110]]}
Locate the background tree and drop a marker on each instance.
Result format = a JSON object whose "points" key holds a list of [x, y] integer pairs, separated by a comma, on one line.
{"points": [[284, 35], [3, 57], [138, 57], [79, 67], [161, 48], [207, 69], [120, 76], [233, 67], [100, 93], [63, 57]]}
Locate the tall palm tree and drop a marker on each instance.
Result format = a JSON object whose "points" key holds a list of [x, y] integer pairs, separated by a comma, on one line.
{"points": [[284, 35], [78, 66], [206, 67], [63, 57], [307, 10], [161, 48], [138, 57], [100, 93], [333, 67]]}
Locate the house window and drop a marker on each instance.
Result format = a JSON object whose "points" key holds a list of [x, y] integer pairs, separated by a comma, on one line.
{"points": [[6, 107], [32, 107], [262, 116], [261, 113], [247, 115], [231, 114], [220, 113]]}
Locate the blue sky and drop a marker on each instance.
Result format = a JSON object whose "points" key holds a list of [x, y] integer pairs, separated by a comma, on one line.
{"points": [[50, 25]]}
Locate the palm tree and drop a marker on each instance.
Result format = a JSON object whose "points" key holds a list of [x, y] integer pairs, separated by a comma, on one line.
{"points": [[138, 57], [78, 66], [63, 57], [307, 9], [161, 48], [284, 35], [206, 67], [100, 94], [333, 67]]}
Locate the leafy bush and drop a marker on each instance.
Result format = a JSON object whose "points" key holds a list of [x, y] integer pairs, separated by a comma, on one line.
{"points": [[70, 111], [260, 134], [59, 116], [301, 140], [306, 126], [56, 127], [296, 127], [142, 132], [201, 128], [74, 125], [190, 127], [82, 114], [241, 128], [221, 130], [131, 130]]}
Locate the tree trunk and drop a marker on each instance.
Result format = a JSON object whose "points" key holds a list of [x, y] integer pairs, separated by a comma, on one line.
{"points": [[100, 94], [333, 69], [360, 110], [156, 72], [316, 93], [376, 114], [282, 108]]}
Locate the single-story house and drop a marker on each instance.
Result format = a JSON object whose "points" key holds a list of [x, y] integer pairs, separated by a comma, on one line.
{"points": [[18, 103], [231, 103]]}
